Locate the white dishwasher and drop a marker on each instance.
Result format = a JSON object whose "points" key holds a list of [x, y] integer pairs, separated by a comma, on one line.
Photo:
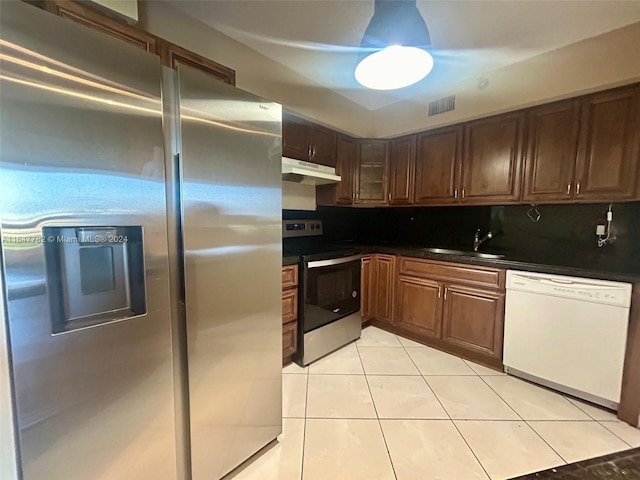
{"points": [[567, 333]]}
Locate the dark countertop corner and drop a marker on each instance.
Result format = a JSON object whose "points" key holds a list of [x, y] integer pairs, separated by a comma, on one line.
{"points": [[290, 260]]}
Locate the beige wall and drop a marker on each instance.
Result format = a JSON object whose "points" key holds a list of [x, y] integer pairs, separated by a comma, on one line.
{"points": [[8, 470], [128, 8], [255, 72], [601, 62]]}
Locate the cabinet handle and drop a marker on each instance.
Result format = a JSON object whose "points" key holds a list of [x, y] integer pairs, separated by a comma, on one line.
{"points": [[439, 292], [309, 152], [455, 193], [568, 189], [463, 193], [578, 188], [445, 293], [389, 197], [353, 196]]}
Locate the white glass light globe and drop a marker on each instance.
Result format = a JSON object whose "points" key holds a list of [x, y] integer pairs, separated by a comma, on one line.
{"points": [[394, 67]]}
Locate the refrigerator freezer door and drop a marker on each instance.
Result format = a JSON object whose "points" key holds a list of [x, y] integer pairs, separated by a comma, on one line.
{"points": [[231, 192], [82, 146]]}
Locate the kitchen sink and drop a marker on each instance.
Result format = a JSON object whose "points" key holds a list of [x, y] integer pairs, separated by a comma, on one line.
{"points": [[462, 253]]}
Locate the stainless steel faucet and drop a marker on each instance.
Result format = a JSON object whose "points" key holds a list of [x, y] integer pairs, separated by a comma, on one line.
{"points": [[477, 241]]}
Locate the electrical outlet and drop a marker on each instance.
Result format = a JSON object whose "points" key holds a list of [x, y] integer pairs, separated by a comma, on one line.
{"points": [[600, 230]]}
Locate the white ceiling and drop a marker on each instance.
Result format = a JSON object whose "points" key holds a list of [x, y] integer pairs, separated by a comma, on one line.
{"points": [[470, 38]]}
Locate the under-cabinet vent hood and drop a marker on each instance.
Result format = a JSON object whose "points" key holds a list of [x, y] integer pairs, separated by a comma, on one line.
{"points": [[307, 173]]}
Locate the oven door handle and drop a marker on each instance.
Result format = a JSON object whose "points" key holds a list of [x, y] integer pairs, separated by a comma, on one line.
{"points": [[333, 261]]}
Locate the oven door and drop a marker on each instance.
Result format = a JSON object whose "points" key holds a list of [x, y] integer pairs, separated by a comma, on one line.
{"points": [[331, 291]]}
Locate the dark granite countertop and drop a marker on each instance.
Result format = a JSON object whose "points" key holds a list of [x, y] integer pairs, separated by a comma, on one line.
{"points": [[617, 466], [290, 260], [509, 262]]}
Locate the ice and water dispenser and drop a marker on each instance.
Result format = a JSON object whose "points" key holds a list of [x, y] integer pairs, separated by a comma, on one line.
{"points": [[95, 275]]}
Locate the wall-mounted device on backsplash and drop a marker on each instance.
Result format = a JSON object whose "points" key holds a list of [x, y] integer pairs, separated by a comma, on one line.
{"points": [[604, 231], [95, 275]]}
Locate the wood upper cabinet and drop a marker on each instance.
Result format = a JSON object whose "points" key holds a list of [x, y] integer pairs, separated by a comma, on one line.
{"points": [[419, 306], [383, 278], [401, 170], [552, 142], [607, 166], [91, 18], [173, 56], [438, 163], [306, 141], [473, 319], [323, 146], [366, 284], [492, 159], [372, 172], [346, 158], [296, 137]]}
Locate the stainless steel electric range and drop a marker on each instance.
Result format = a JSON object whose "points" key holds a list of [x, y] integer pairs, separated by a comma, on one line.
{"points": [[329, 299]]}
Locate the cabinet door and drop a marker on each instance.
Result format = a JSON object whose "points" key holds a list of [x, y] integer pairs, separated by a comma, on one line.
{"points": [[91, 18], [491, 164], [438, 162], [419, 306], [289, 340], [289, 305], [608, 152], [372, 172], [173, 56], [401, 170], [552, 143], [383, 276], [347, 151], [474, 319], [323, 146], [366, 288], [296, 137]]}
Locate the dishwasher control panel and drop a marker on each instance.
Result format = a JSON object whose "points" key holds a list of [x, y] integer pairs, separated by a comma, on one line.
{"points": [[587, 289]]}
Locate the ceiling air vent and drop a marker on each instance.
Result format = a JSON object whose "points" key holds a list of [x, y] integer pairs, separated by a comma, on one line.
{"points": [[444, 104]]}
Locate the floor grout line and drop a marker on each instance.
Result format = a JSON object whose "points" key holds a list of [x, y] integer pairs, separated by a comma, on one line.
{"points": [[375, 409], [449, 415], [304, 429]]}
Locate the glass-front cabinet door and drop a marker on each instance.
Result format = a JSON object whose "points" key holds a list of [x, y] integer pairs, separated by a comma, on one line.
{"points": [[372, 172]]}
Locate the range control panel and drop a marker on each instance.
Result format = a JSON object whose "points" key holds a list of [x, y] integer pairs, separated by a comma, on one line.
{"points": [[301, 228]]}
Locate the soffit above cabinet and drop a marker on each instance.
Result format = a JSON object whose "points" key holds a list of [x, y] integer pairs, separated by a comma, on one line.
{"points": [[470, 39]]}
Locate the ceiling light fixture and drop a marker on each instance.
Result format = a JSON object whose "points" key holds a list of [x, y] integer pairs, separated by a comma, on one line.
{"points": [[393, 52]]}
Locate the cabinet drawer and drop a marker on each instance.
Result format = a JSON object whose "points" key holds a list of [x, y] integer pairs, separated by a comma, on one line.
{"points": [[289, 305], [289, 276], [289, 339], [459, 273]]}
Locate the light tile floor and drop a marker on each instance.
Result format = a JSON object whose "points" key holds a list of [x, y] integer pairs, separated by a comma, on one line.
{"points": [[389, 408]]}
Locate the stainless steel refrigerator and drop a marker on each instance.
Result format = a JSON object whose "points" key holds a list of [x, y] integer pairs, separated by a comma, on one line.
{"points": [[140, 216]]}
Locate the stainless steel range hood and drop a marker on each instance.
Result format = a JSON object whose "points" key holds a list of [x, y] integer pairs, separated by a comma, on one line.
{"points": [[299, 171]]}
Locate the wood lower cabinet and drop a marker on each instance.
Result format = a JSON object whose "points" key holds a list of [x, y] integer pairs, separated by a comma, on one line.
{"points": [[366, 283], [289, 341], [454, 307], [289, 312], [419, 306], [473, 319], [383, 290]]}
